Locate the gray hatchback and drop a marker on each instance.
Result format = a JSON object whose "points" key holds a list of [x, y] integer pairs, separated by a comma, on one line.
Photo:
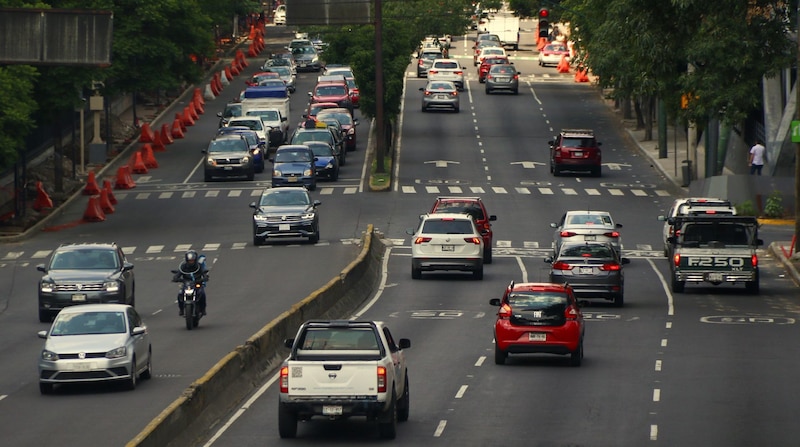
{"points": [[502, 77], [440, 95], [593, 269]]}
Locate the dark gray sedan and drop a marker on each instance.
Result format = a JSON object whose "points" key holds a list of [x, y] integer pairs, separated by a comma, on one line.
{"points": [[502, 77], [593, 269], [440, 95]]}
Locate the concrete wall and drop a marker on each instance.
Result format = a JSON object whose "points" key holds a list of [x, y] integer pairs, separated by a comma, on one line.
{"points": [[226, 384]]}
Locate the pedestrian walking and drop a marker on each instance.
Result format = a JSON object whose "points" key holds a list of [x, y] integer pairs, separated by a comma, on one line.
{"points": [[758, 154]]}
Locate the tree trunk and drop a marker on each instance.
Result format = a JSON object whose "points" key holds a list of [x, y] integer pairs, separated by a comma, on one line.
{"points": [[639, 118], [650, 108]]}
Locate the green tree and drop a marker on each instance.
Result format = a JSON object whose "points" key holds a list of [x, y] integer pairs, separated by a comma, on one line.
{"points": [[16, 109]]}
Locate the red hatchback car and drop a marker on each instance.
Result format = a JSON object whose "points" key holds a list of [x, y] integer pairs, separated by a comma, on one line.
{"points": [[538, 318], [475, 208], [486, 65], [575, 150]]}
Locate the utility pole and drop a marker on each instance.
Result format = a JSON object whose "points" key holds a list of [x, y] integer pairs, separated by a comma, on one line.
{"points": [[797, 145], [380, 134]]}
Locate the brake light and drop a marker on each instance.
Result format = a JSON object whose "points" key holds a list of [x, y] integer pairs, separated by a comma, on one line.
{"points": [[561, 265], [754, 260], [284, 379], [610, 267], [505, 311], [612, 234], [421, 62], [421, 240], [677, 232], [571, 313], [428, 92], [433, 71], [473, 240], [711, 212], [488, 76], [459, 73], [381, 379], [516, 76], [567, 233], [677, 259], [454, 93]]}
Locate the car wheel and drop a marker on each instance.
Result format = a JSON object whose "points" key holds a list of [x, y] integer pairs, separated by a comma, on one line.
{"points": [[487, 255], [147, 374], [257, 240], [335, 175], [404, 404], [481, 80], [344, 157], [551, 167], [130, 384], [44, 316], [678, 286], [619, 300], [596, 171], [478, 274], [387, 425], [251, 176], [207, 177], [752, 287], [556, 171], [516, 91], [424, 109], [287, 422], [313, 186], [499, 355], [314, 238], [457, 109], [416, 273], [45, 388], [488, 91], [576, 357], [540, 64]]}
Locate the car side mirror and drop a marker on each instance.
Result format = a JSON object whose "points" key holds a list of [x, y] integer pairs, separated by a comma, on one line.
{"points": [[404, 343], [759, 242], [551, 142], [253, 205], [355, 122], [548, 260], [421, 89], [41, 268], [618, 225], [409, 231], [553, 225], [492, 218], [42, 334], [662, 218], [203, 151], [494, 302], [288, 342], [317, 203], [599, 143], [127, 266], [305, 115], [219, 114], [138, 330], [625, 261], [672, 239]]}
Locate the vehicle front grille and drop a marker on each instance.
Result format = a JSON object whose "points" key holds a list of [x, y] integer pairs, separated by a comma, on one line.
{"points": [[228, 161], [84, 287], [283, 219], [88, 355]]}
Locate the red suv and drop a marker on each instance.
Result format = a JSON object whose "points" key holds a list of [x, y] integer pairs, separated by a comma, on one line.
{"points": [[333, 91], [575, 150], [475, 208], [538, 318]]}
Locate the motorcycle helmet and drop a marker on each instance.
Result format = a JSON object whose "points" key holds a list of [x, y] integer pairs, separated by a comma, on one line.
{"points": [[191, 257]]}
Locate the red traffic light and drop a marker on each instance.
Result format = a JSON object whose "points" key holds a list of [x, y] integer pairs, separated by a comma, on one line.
{"points": [[544, 13]]}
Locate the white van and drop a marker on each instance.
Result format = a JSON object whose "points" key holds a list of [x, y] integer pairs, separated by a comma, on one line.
{"points": [[279, 15]]}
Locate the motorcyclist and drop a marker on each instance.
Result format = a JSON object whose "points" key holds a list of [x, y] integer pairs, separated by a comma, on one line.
{"points": [[191, 269]]}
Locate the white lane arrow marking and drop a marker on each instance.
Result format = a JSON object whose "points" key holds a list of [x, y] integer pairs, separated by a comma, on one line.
{"points": [[527, 164], [442, 163]]}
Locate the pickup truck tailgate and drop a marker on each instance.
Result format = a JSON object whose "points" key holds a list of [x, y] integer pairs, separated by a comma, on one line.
{"points": [[335, 378]]}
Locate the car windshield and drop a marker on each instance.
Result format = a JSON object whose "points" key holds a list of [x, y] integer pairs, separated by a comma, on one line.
{"points": [[275, 83], [84, 259], [493, 50], [265, 115], [503, 69], [226, 145], [254, 124], [555, 48], [285, 198], [537, 301], [587, 251], [321, 150], [577, 142], [280, 62], [343, 118], [589, 219], [441, 86], [282, 71], [715, 235], [447, 226], [232, 110], [89, 323], [432, 56], [447, 65], [292, 157], [304, 50], [331, 90], [302, 137]]}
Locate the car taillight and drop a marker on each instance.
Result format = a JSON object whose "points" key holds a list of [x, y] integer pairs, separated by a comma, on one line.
{"points": [[428, 93], [433, 71], [754, 260], [677, 232], [610, 267], [473, 240], [561, 265], [571, 313], [284, 379], [381, 379], [459, 73], [516, 76], [422, 62], [454, 93], [421, 240], [505, 311], [567, 234], [611, 234], [677, 259], [488, 77]]}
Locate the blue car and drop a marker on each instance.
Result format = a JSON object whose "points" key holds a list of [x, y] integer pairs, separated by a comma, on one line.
{"points": [[257, 147], [293, 165], [326, 162]]}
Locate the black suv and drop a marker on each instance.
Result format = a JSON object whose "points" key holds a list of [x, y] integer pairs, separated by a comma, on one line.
{"points": [[84, 273], [575, 150], [227, 156]]}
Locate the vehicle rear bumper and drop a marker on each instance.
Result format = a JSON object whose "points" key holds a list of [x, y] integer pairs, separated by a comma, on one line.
{"points": [[464, 265], [708, 276], [308, 408]]}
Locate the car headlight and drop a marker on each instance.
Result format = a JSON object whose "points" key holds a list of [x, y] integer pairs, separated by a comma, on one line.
{"points": [[351, 131], [307, 216], [315, 60], [111, 286], [245, 160], [117, 353], [211, 161], [307, 173], [47, 287], [259, 217], [329, 165], [277, 173], [49, 355]]}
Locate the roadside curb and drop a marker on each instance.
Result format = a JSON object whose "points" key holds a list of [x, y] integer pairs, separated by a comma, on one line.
{"points": [[776, 251]]}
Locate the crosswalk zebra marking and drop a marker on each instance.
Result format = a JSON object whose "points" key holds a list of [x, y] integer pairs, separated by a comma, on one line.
{"points": [[502, 244], [499, 190], [351, 190], [616, 192], [239, 246], [592, 192], [211, 247], [183, 247], [662, 193], [143, 196], [569, 191], [165, 195], [476, 190], [408, 190], [154, 249], [530, 244], [639, 192], [546, 191], [455, 189], [432, 189], [326, 191], [41, 254], [523, 190], [235, 193], [188, 194], [212, 193]]}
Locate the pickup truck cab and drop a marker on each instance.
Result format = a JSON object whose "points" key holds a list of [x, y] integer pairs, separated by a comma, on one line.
{"points": [[343, 368]]}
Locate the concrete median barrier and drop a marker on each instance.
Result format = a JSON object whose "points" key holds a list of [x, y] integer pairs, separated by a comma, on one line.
{"points": [[226, 384]]}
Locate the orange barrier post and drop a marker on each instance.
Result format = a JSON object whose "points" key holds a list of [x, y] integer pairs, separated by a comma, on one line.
{"points": [[186, 118], [179, 117], [93, 211], [228, 74], [42, 199], [109, 192], [105, 203], [166, 136], [563, 65], [242, 58], [138, 164], [251, 50], [177, 131], [235, 70], [198, 93], [91, 187], [146, 135], [124, 179], [158, 145], [147, 157]]}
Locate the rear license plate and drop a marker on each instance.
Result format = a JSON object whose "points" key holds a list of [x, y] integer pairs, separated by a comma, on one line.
{"points": [[587, 270], [448, 248], [537, 336], [332, 410], [577, 154], [501, 79], [284, 227], [292, 179], [79, 297], [441, 96], [589, 237], [714, 277]]}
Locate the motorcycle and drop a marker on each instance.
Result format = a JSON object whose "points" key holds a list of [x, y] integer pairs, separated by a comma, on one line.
{"points": [[191, 289]]}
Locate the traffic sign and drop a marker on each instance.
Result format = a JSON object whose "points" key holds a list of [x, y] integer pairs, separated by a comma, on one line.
{"points": [[795, 131]]}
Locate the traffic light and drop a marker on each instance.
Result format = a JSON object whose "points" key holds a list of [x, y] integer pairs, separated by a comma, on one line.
{"points": [[544, 22]]}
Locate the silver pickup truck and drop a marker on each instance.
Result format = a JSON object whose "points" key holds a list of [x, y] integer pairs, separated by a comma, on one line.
{"points": [[343, 368]]}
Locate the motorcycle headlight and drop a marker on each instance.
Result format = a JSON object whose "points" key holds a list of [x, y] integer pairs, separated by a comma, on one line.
{"points": [[277, 173], [117, 353], [256, 151], [351, 131], [49, 355], [48, 287], [307, 173], [111, 286]]}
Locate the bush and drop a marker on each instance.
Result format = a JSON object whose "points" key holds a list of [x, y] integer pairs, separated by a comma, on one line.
{"points": [[380, 181], [746, 208], [774, 207]]}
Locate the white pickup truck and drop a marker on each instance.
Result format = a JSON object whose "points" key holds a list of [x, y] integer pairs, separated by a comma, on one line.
{"points": [[273, 119], [343, 368]]}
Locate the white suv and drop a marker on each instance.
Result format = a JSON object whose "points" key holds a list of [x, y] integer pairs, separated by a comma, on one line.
{"points": [[447, 70], [279, 15], [693, 206], [446, 241]]}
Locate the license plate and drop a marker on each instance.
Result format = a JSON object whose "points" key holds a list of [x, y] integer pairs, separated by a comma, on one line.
{"points": [[441, 96], [587, 270], [448, 248], [589, 237], [332, 410], [537, 336], [302, 64], [284, 227], [82, 366], [228, 168], [79, 297], [501, 79], [715, 277], [292, 179], [577, 154]]}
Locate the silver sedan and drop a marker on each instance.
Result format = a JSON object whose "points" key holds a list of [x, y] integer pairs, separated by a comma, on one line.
{"points": [[592, 269], [95, 343], [502, 77], [440, 95]]}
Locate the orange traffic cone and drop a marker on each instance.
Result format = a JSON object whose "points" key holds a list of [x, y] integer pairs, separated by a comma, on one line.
{"points": [[93, 211], [42, 199], [198, 105], [252, 33], [105, 203], [138, 166], [580, 75], [235, 70], [124, 179], [541, 43], [177, 131], [158, 145], [147, 157], [563, 65], [198, 94], [186, 118], [91, 187], [166, 136], [109, 192], [228, 73], [214, 88], [218, 81], [242, 58], [146, 135], [193, 111], [251, 50]]}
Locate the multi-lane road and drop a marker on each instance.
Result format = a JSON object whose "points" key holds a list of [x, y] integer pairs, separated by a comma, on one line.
{"points": [[713, 366]]}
